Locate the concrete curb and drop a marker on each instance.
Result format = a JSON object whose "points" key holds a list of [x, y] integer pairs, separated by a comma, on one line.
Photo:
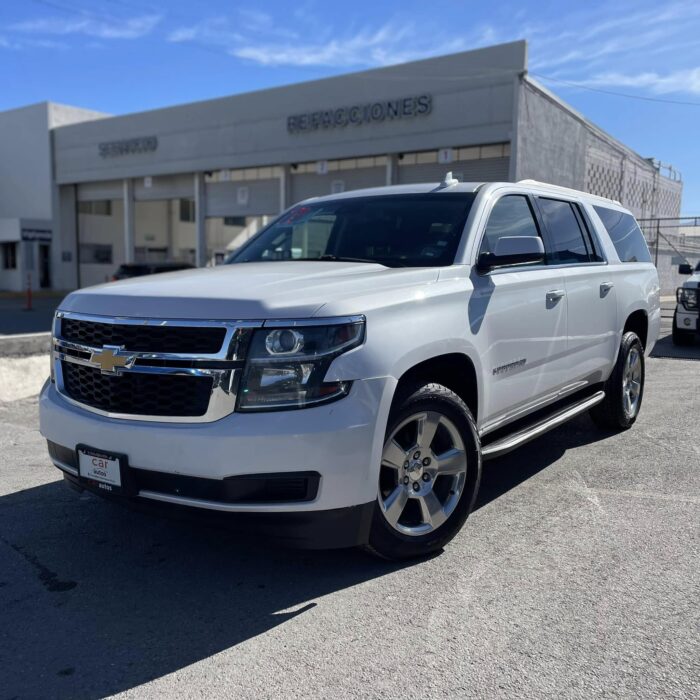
{"points": [[25, 344]]}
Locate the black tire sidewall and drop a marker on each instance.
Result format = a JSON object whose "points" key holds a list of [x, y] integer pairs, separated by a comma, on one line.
{"points": [[392, 544], [629, 340]]}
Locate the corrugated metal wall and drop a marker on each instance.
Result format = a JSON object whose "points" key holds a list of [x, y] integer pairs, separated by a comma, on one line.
{"points": [[485, 169], [307, 185]]}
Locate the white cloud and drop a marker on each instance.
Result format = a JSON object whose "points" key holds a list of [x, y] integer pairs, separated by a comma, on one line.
{"points": [[687, 80], [623, 44], [215, 31], [368, 47], [132, 28], [270, 45]]}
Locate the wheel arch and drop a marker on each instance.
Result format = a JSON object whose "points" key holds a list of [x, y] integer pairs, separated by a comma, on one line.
{"points": [[454, 370], [638, 322]]}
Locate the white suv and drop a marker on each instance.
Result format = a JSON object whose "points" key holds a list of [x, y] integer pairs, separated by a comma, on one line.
{"points": [[341, 380], [686, 325]]}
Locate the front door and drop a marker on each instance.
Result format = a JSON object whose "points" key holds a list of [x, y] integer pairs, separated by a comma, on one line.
{"points": [[44, 265], [519, 312]]}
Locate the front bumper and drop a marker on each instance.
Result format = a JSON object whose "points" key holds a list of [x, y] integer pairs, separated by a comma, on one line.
{"points": [[341, 442], [321, 529], [688, 321]]}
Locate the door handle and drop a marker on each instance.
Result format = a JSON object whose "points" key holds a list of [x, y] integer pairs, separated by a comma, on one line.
{"points": [[605, 287], [555, 294]]}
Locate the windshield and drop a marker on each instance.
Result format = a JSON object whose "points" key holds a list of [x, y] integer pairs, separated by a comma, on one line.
{"points": [[416, 230]]}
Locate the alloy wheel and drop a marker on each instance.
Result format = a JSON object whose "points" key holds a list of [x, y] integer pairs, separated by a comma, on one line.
{"points": [[632, 383], [423, 473]]}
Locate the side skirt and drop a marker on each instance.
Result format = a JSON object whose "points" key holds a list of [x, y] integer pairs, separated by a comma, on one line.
{"points": [[504, 444]]}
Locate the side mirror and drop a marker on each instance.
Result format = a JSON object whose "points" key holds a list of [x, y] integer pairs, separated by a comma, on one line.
{"points": [[512, 250], [685, 269]]}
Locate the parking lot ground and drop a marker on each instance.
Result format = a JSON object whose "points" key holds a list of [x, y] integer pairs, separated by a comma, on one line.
{"points": [[577, 576], [15, 318]]}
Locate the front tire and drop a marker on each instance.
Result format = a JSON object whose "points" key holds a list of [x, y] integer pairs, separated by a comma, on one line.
{"points": [[624, 389], [681, 337], [429, 476]]}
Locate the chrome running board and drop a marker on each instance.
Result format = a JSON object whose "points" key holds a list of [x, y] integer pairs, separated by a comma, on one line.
{"points": [[511, 442]]}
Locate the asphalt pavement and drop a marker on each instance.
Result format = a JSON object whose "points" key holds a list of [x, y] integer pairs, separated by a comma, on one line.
{"points": [[577, 576], [17, 317]]}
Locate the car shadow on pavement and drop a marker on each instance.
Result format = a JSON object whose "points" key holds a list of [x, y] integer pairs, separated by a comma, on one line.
{"points": [[665, 348], [500, 475], [96, 599]]}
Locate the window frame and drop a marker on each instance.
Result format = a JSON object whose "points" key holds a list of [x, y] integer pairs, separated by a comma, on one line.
{"points": [[189, 204], [89, 253], [577, 207], [538, 225], [228, 219], [10, 255], [590, 233], [92, 207]]}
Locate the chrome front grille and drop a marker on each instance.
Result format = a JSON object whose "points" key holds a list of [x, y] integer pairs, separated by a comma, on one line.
{"points": [[150, 369]]}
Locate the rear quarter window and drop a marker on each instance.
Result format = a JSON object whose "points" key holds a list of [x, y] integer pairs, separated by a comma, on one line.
{"points": [[625, 234]]}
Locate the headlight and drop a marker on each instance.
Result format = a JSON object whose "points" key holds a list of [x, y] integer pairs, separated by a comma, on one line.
{"points": [[286, 366], [687, 297]]}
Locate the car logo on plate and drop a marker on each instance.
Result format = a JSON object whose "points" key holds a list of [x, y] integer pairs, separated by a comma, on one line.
{"points": [[110, 359]]}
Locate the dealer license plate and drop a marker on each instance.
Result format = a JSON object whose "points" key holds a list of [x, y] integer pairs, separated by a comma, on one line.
{"points": [[103, 468]]}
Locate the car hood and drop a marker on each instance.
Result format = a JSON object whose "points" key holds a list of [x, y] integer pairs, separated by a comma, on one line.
{"points": [[692, 281], [248, 291]]}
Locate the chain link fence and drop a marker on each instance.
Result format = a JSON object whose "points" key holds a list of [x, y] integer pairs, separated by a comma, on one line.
{"points": [[672, 241]]}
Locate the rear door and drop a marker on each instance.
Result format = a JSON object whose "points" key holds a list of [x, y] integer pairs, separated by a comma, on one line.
{"points": [[519, 315], [591, 303]]}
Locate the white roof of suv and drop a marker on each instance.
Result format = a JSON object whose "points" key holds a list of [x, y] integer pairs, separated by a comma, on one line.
{"points": [[450, 185]]}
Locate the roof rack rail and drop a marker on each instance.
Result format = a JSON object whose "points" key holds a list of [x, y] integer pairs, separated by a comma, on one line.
{"points": [[565, 189]]}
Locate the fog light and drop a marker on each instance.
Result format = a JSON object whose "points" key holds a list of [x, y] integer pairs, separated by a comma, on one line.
{"points": [[686, 321]]}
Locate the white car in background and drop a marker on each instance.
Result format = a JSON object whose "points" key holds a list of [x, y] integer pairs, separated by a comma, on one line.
{"points": [[686, 327], [341, 381]]}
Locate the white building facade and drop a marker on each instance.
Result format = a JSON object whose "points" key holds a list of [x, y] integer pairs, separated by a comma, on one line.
{"points": [[193, 181]]}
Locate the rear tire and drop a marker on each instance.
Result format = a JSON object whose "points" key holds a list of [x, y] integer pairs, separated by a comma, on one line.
{"points": [[681, 337], [624, 389], [429, 477]]}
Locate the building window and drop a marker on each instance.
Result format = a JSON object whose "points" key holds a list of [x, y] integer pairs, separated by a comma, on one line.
{"points": [[102, 207], [187, 210], [234, 221], [9, 256], [96, 253]]}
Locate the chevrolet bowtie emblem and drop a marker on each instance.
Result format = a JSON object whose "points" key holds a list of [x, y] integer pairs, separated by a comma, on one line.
{"points": [[110, 359]]}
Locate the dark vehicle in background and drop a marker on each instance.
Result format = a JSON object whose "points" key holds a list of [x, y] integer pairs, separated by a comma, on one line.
{"points": [[140, 269]]}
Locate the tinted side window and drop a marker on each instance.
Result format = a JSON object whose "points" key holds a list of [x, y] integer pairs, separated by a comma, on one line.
{"points": [[625, 234], [511, 216], [567, 242], [591, 239]]}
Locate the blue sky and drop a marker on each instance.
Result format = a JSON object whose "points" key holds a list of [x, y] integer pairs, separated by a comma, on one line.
{"points": [[121, 56]]}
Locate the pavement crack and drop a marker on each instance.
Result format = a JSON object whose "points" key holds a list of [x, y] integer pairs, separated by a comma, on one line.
{"points": [[49, 579]]}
